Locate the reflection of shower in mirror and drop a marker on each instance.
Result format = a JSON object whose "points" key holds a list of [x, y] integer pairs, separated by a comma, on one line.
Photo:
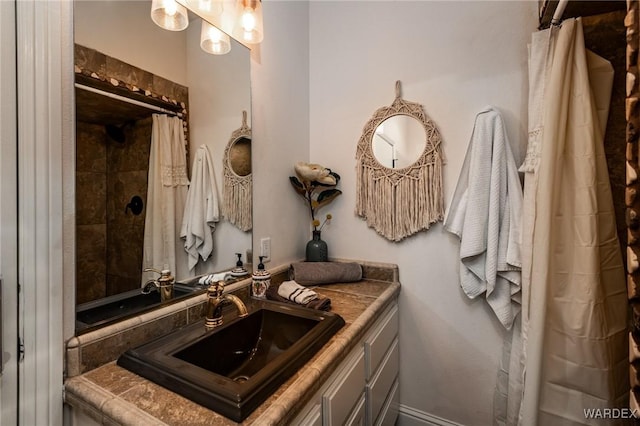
{"points": [[113, 133]]}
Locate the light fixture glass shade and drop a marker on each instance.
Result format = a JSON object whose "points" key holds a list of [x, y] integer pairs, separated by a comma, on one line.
{"points": [[248, 27], [214, 41], [169, 14]]}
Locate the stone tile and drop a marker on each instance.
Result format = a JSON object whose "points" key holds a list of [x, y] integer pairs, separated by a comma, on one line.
{"points": [[172, 91], [114, 379], [91, 148], [91, 198], [91, 266], [129, 74], [171, 408], [121, 187], [90, 59], [117, 284], [378, 273], [109, 349], [133, 154], [360, 288]]}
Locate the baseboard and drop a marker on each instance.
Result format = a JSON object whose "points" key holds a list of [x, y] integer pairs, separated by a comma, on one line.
{"points": [[408, 416]]}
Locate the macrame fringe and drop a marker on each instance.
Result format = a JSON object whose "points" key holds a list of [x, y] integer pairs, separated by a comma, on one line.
{"points": [[237, 203], [399, 209]]}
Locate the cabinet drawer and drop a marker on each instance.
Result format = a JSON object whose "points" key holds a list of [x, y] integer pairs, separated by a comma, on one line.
{"points": [[380, 386], [379, 340], [389, 413], [343, 395], [357, 417]]}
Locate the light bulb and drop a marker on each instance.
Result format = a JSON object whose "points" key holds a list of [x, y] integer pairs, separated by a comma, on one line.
{"points": [[169, 15], [170, 7], [205, 5], [248, 20], [214, 41], [248, 27]]}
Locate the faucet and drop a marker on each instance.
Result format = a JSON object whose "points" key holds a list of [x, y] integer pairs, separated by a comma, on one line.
{"points": [[164, 284], [215, 302]]}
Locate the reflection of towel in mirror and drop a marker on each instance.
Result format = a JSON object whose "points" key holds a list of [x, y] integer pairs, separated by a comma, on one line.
{"points": [[201, 210]]}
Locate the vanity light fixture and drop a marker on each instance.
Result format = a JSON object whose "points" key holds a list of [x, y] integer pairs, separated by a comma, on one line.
{"points": [[214, 41], [248, 27], [169, 14]]}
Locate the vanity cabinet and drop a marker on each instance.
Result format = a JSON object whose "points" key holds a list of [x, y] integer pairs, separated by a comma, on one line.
{"points": [[364, 388]]}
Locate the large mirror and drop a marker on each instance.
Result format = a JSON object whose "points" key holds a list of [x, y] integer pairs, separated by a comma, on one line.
{"points": [[121, 53]]}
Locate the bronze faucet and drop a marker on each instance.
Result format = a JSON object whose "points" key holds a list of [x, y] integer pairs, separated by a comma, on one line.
{"points": [[215, 302], [164, 284]]}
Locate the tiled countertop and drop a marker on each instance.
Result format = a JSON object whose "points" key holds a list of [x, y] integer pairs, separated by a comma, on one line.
{"points": [[113, 395]]}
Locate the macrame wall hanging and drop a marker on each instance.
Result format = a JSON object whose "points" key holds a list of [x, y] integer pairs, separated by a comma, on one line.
{"points": [[237, 177], [399, 202]]}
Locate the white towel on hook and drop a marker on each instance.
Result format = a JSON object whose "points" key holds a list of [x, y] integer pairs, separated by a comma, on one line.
{"points": [[486, 214], [201, 209]]}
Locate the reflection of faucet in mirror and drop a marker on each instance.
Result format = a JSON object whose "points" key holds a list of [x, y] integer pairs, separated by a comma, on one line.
{"points": [[215, 302], [164, 284]]}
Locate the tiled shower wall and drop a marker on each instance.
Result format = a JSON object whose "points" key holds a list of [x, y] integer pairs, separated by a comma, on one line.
{"points": [[109, 237], [91, 212], [109, 241]]}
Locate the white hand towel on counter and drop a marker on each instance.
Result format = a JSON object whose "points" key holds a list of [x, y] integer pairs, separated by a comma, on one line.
{"points": [[486, 214], [201, 210], [293, 291]]}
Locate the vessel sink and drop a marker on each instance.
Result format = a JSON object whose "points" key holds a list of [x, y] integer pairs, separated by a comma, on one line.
{"points": [[115, 308], [234, 368]]}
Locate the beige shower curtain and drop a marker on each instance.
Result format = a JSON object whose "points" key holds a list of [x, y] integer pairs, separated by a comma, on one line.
{"points": [[166, 197], [574, 296]]}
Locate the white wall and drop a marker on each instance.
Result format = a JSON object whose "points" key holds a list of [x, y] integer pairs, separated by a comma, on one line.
{"points": [[219, 91], [115, 29], [454, 58], [280, 104]]}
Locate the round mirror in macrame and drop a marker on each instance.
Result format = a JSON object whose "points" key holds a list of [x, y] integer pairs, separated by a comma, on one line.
{"points": [[399, 202], [237, 185]]}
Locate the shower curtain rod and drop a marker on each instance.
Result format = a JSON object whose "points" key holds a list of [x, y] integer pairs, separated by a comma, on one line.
{"points": [[128, 100], [557, 14]]}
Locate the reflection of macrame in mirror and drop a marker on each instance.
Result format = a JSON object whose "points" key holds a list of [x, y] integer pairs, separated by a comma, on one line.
{"points": [[398, 203], [237, 189]]}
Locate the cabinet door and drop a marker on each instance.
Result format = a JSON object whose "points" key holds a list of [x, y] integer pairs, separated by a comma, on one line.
{"points": [[357, 417], [379, 340], [380, 386], [389, 413], [341, 397]]}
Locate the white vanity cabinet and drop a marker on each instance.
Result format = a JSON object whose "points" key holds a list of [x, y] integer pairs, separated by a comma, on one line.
{"points": [[364, 388]]}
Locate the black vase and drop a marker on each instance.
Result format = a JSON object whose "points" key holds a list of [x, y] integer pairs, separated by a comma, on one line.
{"points": [[317, 249]]}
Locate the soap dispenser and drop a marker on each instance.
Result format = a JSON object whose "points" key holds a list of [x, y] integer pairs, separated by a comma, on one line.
{"points": [[261, 280], [239, 270]]}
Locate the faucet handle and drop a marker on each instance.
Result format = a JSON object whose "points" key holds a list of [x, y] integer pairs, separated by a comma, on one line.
{"points": [[157, 271], [216, 289]]}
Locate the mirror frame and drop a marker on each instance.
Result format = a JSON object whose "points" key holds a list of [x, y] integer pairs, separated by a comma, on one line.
{"points": [[238, 189], [399, 220]]}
